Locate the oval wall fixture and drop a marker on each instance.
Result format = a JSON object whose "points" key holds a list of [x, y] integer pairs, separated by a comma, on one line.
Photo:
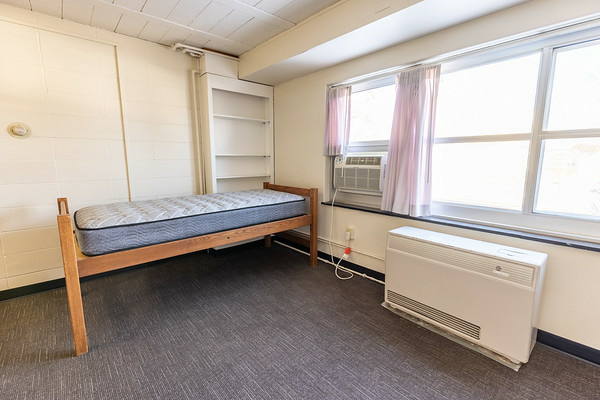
{"points": [[19, 130]]}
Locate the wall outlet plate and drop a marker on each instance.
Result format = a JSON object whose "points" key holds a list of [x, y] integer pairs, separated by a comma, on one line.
{"points": [[350, 233]]}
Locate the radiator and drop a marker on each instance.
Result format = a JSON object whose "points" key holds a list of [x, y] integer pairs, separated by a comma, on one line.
{"points": [[483, 293]]}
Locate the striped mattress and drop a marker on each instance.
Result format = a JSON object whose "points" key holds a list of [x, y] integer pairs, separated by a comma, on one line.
{"points": [[114, 227]]}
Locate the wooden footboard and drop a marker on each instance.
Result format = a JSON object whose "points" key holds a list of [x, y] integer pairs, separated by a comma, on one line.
{"points": [[77, 265]]}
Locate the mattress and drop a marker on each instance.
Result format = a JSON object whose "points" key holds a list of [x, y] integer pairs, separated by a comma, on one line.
{"points": [[114, 227]]}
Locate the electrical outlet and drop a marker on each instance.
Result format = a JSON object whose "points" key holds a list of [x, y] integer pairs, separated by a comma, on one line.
{"points": [[350, 233]]}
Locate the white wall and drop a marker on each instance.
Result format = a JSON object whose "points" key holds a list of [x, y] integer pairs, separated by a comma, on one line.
{"points": [[88, 96], [570, 301]]}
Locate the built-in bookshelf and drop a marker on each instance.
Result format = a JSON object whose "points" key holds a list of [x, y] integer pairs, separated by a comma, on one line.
{"points": [[237, 133]]}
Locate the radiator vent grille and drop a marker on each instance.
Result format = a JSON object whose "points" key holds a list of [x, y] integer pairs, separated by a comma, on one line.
{"points": [[447, 320], [497, 268]]}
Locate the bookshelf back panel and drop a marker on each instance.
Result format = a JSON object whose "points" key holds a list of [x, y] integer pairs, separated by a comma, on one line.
{"points": [[239, 104], [240, 166], [234, 185], [240, 137]]}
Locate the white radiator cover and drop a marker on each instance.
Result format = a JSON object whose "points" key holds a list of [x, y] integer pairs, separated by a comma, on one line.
{"points": [[482, 292]]}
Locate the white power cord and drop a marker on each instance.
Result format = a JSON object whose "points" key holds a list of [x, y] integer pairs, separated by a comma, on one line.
{"points": [[346, 252], [329, 262]]}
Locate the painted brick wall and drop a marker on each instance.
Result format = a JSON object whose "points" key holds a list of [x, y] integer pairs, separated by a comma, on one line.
{"points": [[110, 119]]}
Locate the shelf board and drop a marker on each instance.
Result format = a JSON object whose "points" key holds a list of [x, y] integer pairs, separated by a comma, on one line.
{"points": [[243, 176], [242, 155], [237, 117]]}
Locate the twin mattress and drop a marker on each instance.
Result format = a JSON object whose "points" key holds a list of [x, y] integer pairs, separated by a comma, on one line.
{"points": [[120, 226]]}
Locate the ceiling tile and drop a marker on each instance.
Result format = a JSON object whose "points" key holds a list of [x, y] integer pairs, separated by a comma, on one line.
{"points": [[197, 39], [130, 26], [210, 16], [258, 13], [159, 8], [135, 5], [174, 35], [255, 32], [48, 7], [77, 11], [235, 49], [298, 11], [272, 6], [187, 10], [230, 23], [153, 31], [105, 18]]}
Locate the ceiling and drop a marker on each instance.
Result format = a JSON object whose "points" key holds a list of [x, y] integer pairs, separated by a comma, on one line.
{"points": [[229, 26], [276, 61], [277, 40]]}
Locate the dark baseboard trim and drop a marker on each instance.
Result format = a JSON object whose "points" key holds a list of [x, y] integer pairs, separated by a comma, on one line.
{"points": [[568, 346], [60, 283], [31, 289]]}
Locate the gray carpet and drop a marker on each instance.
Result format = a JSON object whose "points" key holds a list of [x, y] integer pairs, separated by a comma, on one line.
{"points": [[254, 323]]}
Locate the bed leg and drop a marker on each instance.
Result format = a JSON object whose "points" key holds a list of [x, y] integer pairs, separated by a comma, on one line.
{"points": [[267, 240], [314, 234], [69, 256]]}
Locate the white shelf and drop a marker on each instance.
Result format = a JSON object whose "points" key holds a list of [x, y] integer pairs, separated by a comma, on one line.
{"points": [[237, 133], [243, 176], [242, 155], [238, 118]]}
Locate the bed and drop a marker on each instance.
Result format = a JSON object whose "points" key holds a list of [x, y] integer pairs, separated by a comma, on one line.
{"points": [[109, 237]]}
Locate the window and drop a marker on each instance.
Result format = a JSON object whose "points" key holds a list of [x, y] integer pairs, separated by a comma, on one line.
{"points": [[371, 117], [569, 182], [482, 130], [372, 109], [517, 141], [517, 135], [371, 114]]}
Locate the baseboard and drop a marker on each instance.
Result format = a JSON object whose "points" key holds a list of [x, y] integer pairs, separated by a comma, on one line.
{"points": [[59, 283], [31, 289], [568, 346]]}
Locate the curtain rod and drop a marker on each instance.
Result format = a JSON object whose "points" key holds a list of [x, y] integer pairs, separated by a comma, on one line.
{"points": [[591, 21]]}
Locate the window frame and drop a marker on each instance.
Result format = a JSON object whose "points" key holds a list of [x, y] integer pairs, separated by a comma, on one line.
{"points": [[527, 219]]}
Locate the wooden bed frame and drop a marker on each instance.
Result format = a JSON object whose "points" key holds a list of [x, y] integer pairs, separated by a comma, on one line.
{"points": [[77, 265]]}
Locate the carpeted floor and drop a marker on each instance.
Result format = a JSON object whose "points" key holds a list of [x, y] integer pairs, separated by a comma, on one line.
{"points": [[254, 323]]}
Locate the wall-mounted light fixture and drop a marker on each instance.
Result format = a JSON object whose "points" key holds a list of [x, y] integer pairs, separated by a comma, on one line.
{"points": [[19, 130]]}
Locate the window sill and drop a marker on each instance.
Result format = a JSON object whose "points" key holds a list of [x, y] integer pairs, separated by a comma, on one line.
{"points": [[576, 244]]}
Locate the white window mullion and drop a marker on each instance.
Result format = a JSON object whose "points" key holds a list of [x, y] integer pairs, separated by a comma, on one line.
{"points": [[483, 138], [579, 133], [540, 110]]}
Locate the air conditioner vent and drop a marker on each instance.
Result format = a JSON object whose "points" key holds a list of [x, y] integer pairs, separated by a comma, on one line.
{"points": [[450, 321], [360, 173], [493, 267], [363, 160]]}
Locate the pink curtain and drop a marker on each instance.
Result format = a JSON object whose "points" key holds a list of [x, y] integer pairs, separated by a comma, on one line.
{"points": [[407, 188], [337, 128]]}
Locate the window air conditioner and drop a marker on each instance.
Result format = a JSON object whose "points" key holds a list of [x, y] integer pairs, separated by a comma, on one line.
{"points": [[360, 173]]}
